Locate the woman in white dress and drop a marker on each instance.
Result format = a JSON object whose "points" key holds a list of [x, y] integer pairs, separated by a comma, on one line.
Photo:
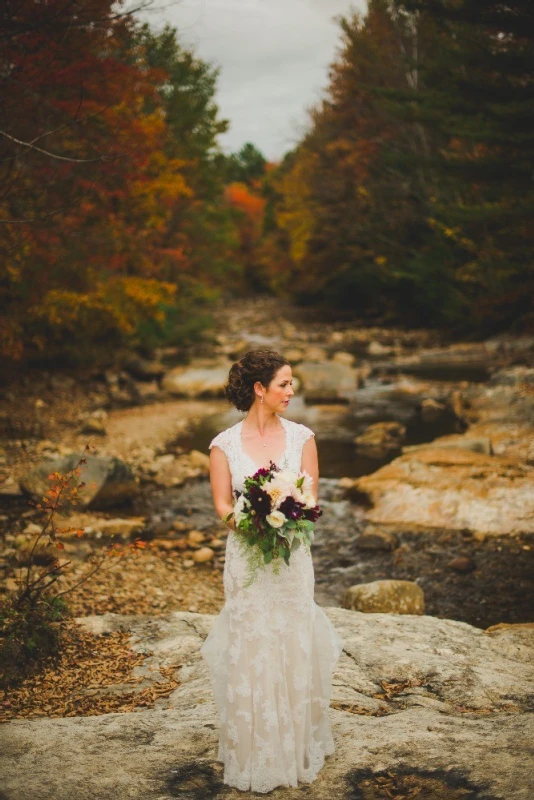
{"points": [[272, 649]]}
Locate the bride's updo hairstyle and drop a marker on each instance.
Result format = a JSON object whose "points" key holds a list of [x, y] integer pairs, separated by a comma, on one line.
{"points": [[256, 365]]}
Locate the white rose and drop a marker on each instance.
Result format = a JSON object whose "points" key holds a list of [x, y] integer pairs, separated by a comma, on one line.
{"points": [[276, 519], [309, 499], [239, 509]]}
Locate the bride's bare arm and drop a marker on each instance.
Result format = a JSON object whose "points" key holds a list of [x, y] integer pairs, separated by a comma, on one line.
{"points": [[310, 463], [221, 484]]}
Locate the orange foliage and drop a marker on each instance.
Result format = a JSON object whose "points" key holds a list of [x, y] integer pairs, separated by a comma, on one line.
{"points": [[239, 196]]}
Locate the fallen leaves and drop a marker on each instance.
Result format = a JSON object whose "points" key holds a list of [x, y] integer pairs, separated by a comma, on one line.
{"points": [[351, 708], [75, 684]]}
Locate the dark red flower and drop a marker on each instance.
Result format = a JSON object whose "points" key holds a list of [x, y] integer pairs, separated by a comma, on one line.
{"points": [[260, 501], [263, 472], [291, 508], [312, 514]]}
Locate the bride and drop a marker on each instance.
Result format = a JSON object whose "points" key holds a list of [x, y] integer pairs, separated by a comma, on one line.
{"points": [[272, 649]]}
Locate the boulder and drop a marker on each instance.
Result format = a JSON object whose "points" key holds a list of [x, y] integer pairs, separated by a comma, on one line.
{"points": [[100, 527], [341, 357], [202, 555], [380, 439], [377, 349], [376, 539], [108, 480], [314, 353], [451, 488], [93, 426], [169, 470], [294, 355], [144, 370], [477, 444], [202, 378], [432, 410], [517, 377], [434, 706], [326, 382], [385, 596]]}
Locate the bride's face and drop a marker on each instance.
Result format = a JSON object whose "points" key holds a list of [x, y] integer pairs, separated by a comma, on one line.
{"points": [[280, 390]]}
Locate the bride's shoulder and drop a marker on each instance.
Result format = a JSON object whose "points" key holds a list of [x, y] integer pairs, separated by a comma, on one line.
{"points": [[301, 432], [225, 437]]}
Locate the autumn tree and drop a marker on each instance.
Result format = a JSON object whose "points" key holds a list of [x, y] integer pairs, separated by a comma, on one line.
{"points": [[409, 198], [112, 216]]}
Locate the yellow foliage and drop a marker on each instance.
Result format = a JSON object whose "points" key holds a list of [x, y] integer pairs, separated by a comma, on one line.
{"points": [[295, 214], [116, 307]]}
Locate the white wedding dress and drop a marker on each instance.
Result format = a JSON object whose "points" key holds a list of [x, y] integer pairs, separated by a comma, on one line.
{"points": [[271, 653]]}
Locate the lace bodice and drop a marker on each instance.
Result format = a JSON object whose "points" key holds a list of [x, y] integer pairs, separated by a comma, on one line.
{"points": [[241, 464]]}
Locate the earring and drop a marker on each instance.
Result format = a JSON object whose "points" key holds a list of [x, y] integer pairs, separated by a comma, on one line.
{"points": [[262, 398]]}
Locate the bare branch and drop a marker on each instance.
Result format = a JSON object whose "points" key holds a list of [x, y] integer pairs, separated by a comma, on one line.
{"points": [[31, 146]]}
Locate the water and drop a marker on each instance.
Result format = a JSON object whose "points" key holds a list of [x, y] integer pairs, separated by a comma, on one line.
{"points": [[336, 425]]}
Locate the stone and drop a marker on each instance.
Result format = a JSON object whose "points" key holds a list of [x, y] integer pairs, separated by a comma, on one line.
{"points": [[202, 378], [203, 555], [432, 410], [380, 439], [98, 527], [450, 488], [314, 353], [435, 700], [10, 487], [462, 564], [378, 349], [169, 544], [33, 529], [147, 391], [293, 355], [196, 537], [326, 382], [108, 480], [199, 460], [477, 444], [374, 539], [11, 585], [95, 426], [341, 357], [144, 370], [217, 544], [171, 471], [385, 597], [516, 377]]}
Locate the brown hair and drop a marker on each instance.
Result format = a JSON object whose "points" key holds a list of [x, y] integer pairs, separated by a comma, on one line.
{"points": [[256, 365]]}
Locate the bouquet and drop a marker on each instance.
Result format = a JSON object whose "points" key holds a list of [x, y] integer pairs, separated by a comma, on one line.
{"points": [[275, 515]]}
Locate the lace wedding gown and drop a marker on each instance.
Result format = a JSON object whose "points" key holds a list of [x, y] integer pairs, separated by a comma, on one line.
{"points": [[271, 653]]}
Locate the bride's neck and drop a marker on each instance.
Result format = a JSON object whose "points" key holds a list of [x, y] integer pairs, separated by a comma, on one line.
{"points": [[261, 421]]}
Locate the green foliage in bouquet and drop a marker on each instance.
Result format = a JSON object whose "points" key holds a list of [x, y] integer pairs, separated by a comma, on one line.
{"points": [[274, 516]]}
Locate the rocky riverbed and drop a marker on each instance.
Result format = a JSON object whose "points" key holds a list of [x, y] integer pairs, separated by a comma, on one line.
{"points": [[420, 707], [427, 483], [426, 452]]}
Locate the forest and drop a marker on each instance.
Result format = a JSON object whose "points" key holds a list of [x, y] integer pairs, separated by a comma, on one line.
{"points": [[408, 200]]}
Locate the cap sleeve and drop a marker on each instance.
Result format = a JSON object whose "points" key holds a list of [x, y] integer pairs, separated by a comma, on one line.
{"points": [[305, 433], [221, 440]]}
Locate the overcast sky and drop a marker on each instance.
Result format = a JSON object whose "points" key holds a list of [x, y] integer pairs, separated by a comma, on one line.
{"points": [[274, 57]]}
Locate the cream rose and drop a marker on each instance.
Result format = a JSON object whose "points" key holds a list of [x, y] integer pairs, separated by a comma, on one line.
{"points": [[239, 509], [276, 519]]}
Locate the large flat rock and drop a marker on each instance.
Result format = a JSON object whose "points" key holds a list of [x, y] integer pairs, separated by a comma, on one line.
{"points": [[452, 488], [434, 702]]}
